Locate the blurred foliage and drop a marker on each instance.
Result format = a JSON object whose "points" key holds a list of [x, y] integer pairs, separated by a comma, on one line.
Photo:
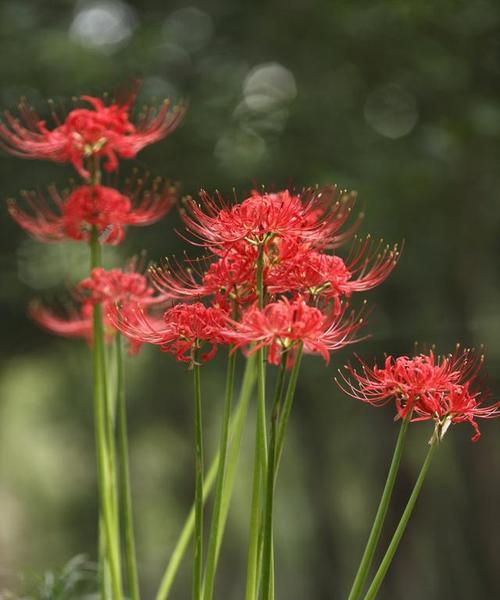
{"points": [[398, 100], [76, 579]]}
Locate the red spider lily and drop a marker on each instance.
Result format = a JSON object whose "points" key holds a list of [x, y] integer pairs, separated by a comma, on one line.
{"points": [[284, 324], [438, 388], [315, 216], [229, 278], [117, 286], [185, 329], [318, 274], [98, 131], [73, 213], [126, 287]]}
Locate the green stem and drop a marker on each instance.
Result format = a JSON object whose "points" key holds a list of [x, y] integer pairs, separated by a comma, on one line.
{"points": [[109, 418], [208, 584], [398, 534], [198, 495], [125, 487], [235, 434], [260, 457], [103, 571], [287, 405], [373, 538], [269, 501], [236, 437], [111, 548]]}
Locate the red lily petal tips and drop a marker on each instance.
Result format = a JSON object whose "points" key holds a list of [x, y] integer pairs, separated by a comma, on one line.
{"points": [[99, 130], [428, 387], [284, 324], [126, 287], [229, 278], [73, 323], [72, 214], [185, 328], [318, 274], [315, 216]]}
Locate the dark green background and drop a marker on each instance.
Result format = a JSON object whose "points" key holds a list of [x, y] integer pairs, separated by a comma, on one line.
{"points": [[399, 100]]}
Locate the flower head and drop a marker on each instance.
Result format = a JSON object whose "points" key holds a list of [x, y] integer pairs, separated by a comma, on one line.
{"points": [[95, 130], [72, 214], [229, 278], [185, 329], [118, 286], [283, 325], [317, 274], [427, 387], [107, 287], [315, 216]]}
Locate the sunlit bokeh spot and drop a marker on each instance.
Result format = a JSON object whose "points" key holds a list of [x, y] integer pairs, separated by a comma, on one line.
{"points": [[103, 25], [189, 27], [267, 85], [240, 149], [391, 111]]}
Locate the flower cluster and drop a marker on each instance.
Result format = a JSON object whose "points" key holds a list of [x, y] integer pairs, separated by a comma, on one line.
{"points": [[72, 214], [445, 389], [184, 329], [271, 269], [94, 131], [115, 287], [84, 138], [282, 325]]}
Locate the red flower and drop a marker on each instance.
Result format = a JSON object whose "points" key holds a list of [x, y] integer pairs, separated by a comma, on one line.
{"points": [[102, 131], [229, 278], [432, 388], [318, 274], [72, 214], [315, 216], [116, 286], [186, 328], [282, 325]]}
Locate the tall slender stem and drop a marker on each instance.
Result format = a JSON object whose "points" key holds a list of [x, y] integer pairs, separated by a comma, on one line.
{"points": [[107, 512], [110, 425], [373, 538], [198, 495], [260, 457], [287, 405], [208, 584], [235, 434], [103, 565], [398, 534], [125, 487], [267, 562]]}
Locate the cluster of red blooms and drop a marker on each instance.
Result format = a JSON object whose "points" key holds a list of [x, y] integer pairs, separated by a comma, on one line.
{"points": [[85, 137], [426, 387], [74, 213], [272, 277], [111, 288], [304, 287]]}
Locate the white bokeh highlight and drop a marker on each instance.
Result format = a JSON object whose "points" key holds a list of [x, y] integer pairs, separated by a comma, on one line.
{"points": [[104, 25]]}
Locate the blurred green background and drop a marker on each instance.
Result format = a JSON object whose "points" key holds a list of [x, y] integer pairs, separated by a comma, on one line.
{"points": [[399, 100]]}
